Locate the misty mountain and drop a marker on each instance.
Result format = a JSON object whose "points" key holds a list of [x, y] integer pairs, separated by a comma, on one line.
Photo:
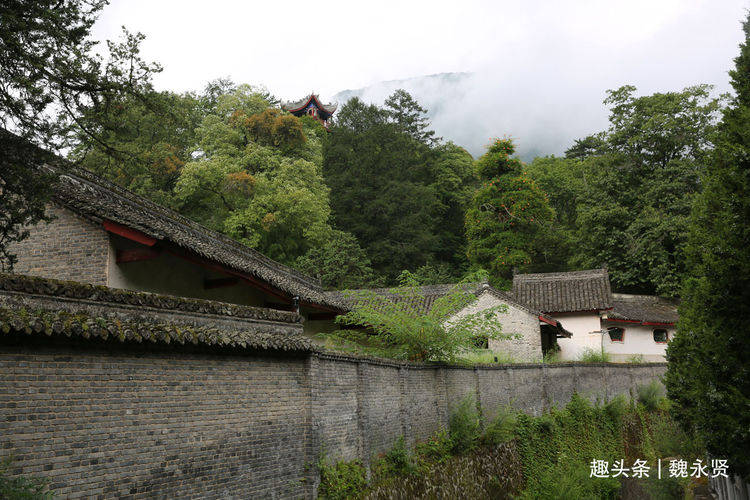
{"points": [[471, 109]]}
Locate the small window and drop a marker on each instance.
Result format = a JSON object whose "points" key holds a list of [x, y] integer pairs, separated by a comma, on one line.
{"points": [[616, 334], [481, 342], [660, 336]]}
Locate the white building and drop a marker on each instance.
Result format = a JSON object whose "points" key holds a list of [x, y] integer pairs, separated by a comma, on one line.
{"points": [[628, 327]]}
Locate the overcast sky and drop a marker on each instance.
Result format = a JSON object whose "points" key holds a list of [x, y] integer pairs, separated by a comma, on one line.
{"points": [[547, 63]]}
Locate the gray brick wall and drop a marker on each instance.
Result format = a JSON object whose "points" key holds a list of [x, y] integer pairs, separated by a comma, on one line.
{"points": [[67, 248], [126, 421], [110, 424]]}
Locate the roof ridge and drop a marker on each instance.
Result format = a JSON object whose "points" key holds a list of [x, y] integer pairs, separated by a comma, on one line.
{"points": [[86, 177]]}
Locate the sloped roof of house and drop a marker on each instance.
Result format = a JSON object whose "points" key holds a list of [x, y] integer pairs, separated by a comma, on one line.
{"points": [[102, 201], [643, 308], [47, 307], [428, 294], [564, 292]]}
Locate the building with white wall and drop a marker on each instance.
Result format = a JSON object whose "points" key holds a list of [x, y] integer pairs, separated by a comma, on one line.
{"points": [[627, 327]]}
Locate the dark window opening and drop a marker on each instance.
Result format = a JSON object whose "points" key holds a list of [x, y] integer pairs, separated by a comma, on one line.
{"points": [[616, 334], [660, 336], [481, 342]]}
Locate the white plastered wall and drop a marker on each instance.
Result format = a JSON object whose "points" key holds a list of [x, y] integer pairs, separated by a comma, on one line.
{"points": [[637, 339], [581, 325]]}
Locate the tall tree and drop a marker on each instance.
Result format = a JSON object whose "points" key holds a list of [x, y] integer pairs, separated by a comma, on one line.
{"points": [[155, 141], [507, 214], [379, 180], [709, 374], [623, 197], [258, 176], [51, 80]]}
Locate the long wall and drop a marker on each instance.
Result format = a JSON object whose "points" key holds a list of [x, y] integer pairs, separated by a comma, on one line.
{"points": [[106, 420]]}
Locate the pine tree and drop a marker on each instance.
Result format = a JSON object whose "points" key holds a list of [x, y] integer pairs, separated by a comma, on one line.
{"points": [[709, 359], [506, 215]]}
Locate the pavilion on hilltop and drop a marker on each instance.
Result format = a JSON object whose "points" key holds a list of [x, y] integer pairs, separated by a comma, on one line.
{"points": [[311, 106]]}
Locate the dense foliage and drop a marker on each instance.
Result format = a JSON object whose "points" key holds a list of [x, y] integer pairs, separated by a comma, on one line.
{"points": [[623, 197], [394, 325], [709, 372], [507, 214], [395, 188], [520, 456]]}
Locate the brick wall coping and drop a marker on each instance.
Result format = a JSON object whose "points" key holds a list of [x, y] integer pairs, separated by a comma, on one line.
{"points": [[74, 290], [86, 325], [335, 356]]}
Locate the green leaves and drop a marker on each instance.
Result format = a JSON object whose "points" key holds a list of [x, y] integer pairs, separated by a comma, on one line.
{"points": [[709, 376], [394, 188], [402, 330], [507, 214]]}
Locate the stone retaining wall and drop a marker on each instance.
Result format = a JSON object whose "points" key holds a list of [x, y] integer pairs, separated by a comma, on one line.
{"points": [[101, 419]]}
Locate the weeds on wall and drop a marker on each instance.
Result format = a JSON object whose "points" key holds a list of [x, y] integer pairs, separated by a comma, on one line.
{"points": [[529, 457], [590, 355], [20, 487]]}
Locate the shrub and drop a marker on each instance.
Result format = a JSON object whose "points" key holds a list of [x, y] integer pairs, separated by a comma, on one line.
{"points": [[464, 426], [650, 395], [398, 461], [399, 328], [341, 480], [616, 408], [436, 449], [590, 355], [17, 488], [636, 359], [502, 428]]}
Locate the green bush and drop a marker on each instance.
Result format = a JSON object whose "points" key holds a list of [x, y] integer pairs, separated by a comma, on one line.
{"points": [[398, 461], [21, 488], [616, 408], [590, 355], [464, 426], [437, 449], [341, 480], [636, 359], [502, 428], [650, 395]]}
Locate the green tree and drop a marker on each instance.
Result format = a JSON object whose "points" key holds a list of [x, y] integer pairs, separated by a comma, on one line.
{"points": [[507, 213], [339, 263], [708, 375], [155, 140], [398, 328], [631, 188], [395, 188], [50, 80], [257, 176]]}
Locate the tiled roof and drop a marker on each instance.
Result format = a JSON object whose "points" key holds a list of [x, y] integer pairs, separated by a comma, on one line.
{"points": [[564, 292], [294, 105], [100, 200], [428, 294], [644, 308], [43, 307]]}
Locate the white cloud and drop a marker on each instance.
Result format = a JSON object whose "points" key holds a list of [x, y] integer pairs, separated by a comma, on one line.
{"points": [[540, 67]]}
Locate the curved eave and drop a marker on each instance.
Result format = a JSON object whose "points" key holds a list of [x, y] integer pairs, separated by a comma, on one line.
{"points": [[329, 109]]}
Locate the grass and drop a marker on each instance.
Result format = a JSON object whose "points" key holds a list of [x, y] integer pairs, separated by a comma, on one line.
{"points": [[590, 355], [486, 357]]}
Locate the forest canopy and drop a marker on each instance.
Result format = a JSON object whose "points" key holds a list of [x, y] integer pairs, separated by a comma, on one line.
{"points": [[378, 193]]}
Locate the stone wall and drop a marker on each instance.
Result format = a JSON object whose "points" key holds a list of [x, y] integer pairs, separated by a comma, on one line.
{"points": [[67, 248], [105, 420], [517, 322]]}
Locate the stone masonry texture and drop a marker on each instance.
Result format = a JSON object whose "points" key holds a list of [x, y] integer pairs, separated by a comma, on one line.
{"points": [[67, 248], [103, 420]]}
